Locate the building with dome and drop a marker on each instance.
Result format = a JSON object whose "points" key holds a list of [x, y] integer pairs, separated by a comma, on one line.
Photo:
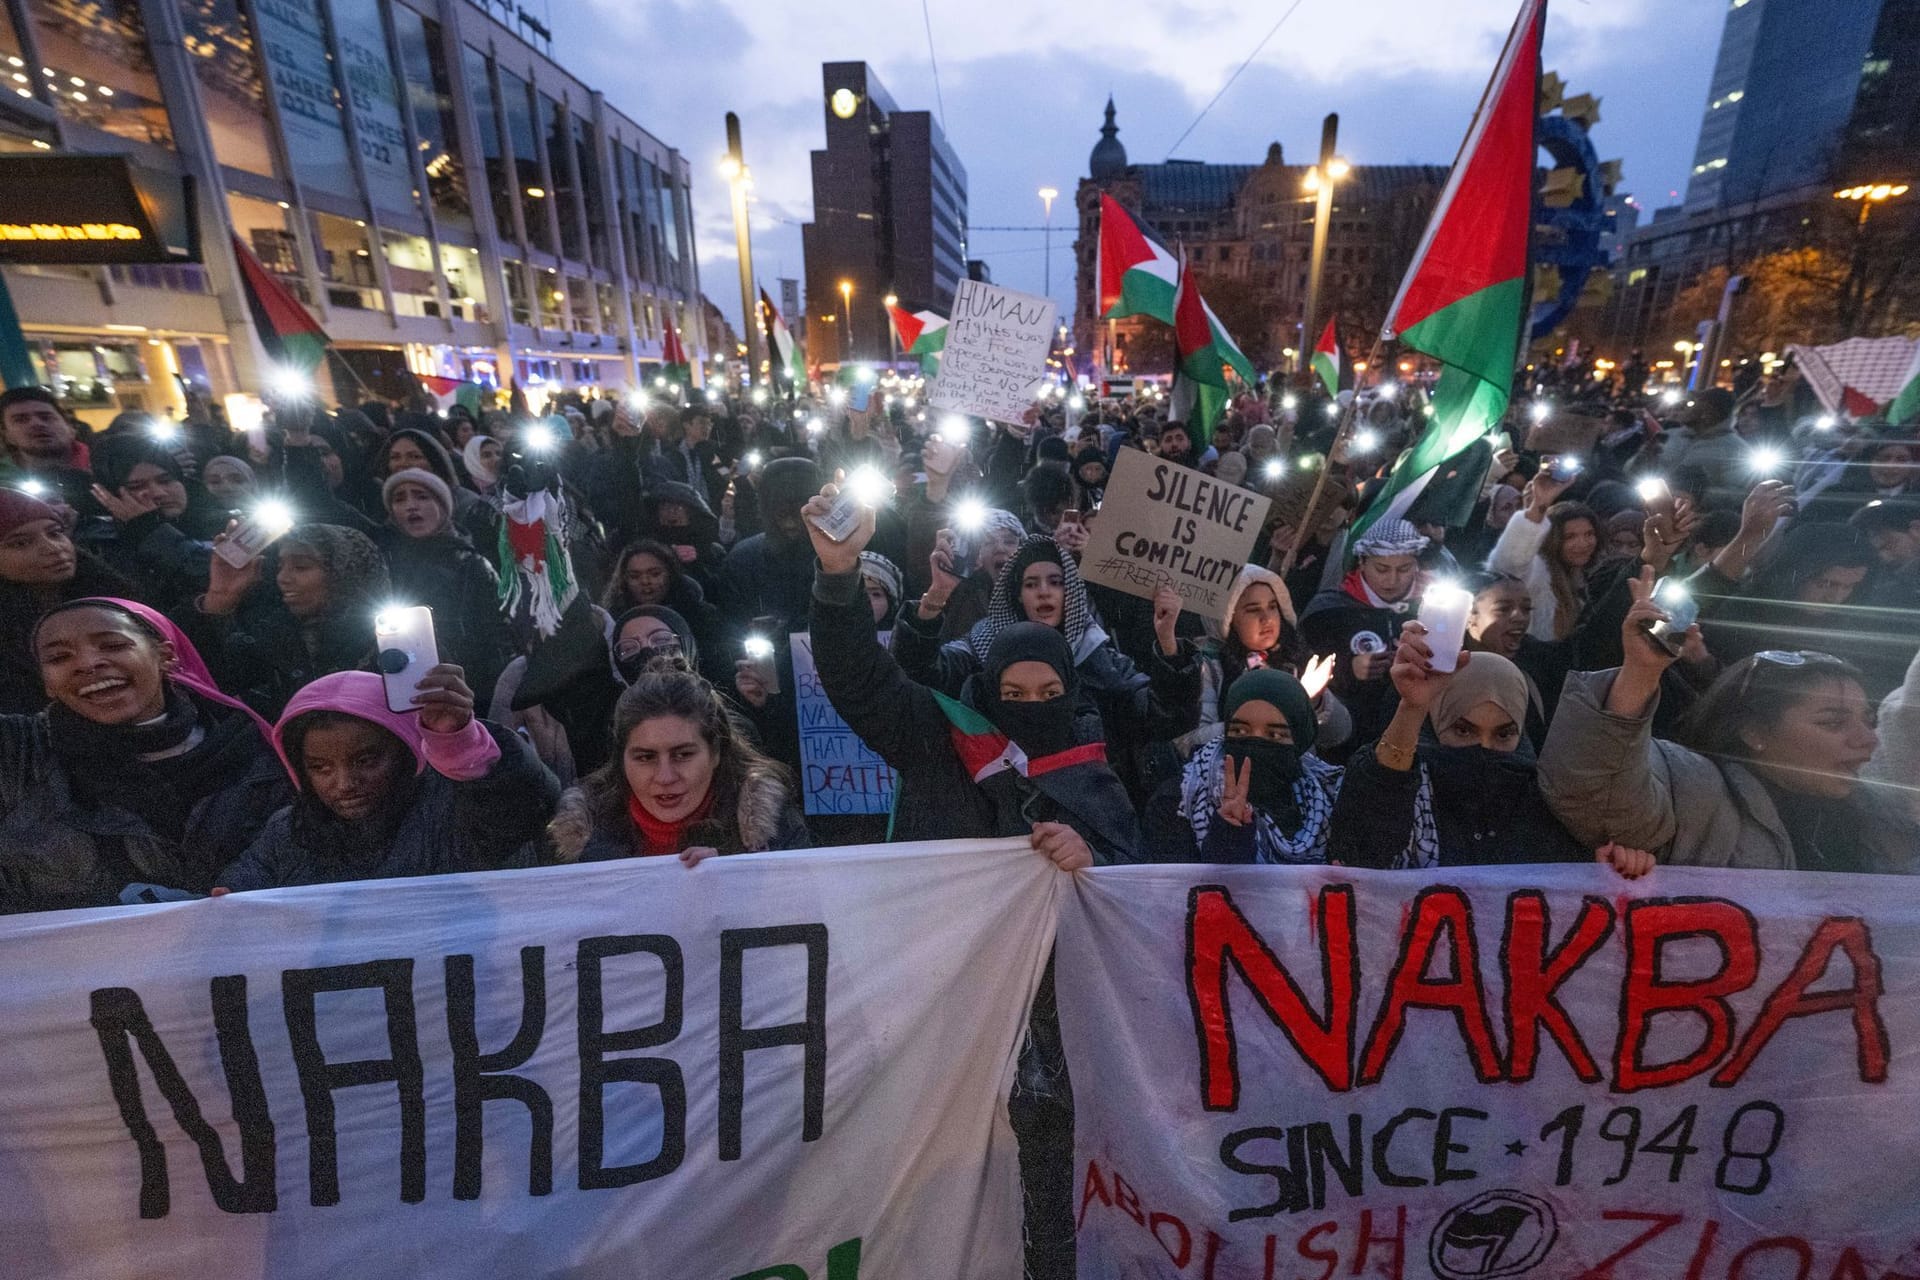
{"points": [[1248, 230]]}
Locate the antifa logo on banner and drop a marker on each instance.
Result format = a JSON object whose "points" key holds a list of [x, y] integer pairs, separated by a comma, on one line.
{"points": [[1500, 1233]]}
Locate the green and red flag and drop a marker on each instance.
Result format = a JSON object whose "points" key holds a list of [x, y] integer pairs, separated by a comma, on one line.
{"points": [[1138, 277], [292, 337], [923, 334], [1464, 298], [782, 355], [1204, 352], [1326, 358], [1906, 404], [673, 358]]}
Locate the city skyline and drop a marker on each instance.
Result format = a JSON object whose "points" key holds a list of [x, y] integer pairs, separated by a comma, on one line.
{"points": [[1023, 94]]}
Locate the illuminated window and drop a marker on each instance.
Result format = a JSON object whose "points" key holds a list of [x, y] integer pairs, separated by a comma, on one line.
{"points": [[431, 93], [97, 53], [233, 94]]}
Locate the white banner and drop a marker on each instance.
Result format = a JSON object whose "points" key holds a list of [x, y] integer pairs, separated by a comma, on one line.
{"points": [[787, 1066], [1292, 1074]]}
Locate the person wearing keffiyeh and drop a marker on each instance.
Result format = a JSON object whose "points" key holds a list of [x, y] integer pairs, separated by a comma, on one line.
{"points": [[1359, 621], [1258, 795], [1118, 703]]}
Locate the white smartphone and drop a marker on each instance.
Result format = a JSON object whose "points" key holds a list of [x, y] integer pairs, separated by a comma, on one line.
{"points": [[250, 538], [405, 651]]}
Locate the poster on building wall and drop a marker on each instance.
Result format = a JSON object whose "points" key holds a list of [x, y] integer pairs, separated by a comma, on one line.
{"points": [[996, 353], [295, 41], [373, 95]]}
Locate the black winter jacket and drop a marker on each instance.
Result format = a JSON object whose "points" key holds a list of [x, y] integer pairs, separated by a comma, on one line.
{"points": [[1373, 821]]}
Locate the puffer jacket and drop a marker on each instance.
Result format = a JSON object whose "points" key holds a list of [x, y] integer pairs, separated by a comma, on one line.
{"points": [[764, 818], [481, 800], [58, 851], [1608, 778]]}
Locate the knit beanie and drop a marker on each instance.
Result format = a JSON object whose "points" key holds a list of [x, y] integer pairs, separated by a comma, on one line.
{"points": [[426, 480], [17, 508]]}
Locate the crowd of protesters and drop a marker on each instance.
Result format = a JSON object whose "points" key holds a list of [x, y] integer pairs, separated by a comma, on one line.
{"points": [[1689, 643]]}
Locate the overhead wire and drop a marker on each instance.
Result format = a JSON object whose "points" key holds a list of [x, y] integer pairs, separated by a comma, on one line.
{"points": [[1223, 88]]}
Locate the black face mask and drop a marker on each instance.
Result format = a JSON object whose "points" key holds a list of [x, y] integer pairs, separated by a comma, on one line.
{"points": [[1038, 728], [631, 665], [1276, 767], [1498, 779]]}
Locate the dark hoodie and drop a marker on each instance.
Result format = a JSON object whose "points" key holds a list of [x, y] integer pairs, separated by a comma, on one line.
{"points": [[316, 500], [445, 573], [701, 533], [939, 745], [767, 574], [476, 800]]}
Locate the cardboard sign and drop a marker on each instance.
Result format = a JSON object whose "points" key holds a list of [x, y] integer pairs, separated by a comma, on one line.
{"points": [[997, 344], [1162, 522], [838, 772], [1480, 1073], [763, 1066]]}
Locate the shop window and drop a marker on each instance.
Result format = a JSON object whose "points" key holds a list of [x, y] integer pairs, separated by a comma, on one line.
{"points": [[580, 305], [519, 301], [264, 227], [346, 262], [233, 93], [553, 300], [466, 283], [410, 274], [98, 68]]}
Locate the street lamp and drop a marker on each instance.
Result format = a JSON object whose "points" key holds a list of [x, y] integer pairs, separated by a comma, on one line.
{"points": [[846, 309], [893, 330], [1870, 194], [1047, 196], [734, 166], [1320, 181]]}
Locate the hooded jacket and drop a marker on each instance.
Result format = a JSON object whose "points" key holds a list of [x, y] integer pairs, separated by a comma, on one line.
{"points": [[66, 842], [472, 514], [445, 573], [764, 818], [945, 794], [480, 799], [766, 574]]}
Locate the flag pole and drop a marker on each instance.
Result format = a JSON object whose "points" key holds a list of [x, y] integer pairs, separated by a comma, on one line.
{"points": [[1341, 431]]}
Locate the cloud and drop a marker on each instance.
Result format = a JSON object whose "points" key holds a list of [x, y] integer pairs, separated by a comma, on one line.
{"points": [[1023, 87]]}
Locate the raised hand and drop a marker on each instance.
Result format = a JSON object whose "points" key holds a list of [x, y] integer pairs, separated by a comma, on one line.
{"points": [[226, 585], [1318, 674], [1070, 537], [120, 506], [1234, 786], [1544, 490], [1644, 654], [445, 702], [1166, 613], [944, 564], [1413, 674], [1767, 504], [836, 557]]}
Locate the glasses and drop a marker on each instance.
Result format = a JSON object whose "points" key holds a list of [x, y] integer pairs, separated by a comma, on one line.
{"points": [[1789, 659]]}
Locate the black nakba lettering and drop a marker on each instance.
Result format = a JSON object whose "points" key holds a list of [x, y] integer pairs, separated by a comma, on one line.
{"points": [[319, 1079], [121, 1022], [737, 1040], [480, 1078], [597, 1070]]}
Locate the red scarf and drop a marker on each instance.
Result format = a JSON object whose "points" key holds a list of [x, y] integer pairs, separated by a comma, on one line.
{"points": [[659, 838]]}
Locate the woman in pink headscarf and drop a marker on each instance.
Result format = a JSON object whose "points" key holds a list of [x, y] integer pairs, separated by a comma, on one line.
{"points": [[140, 779]]}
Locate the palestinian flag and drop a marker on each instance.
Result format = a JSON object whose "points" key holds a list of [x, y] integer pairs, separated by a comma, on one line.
{"points": [[537, 585], [1906, 405], [1464, 298], [1326, 358], [673, 357], [985, 751], [1138, 277], [922, 334], [1204, 352], [779, 340], [292, 337]]}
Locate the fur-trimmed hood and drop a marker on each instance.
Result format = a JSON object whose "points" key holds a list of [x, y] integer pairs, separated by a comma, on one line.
{"points": [[763, 818]]}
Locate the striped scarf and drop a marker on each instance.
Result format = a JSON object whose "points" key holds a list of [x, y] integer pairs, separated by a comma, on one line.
{"points": [[1314, 792]]}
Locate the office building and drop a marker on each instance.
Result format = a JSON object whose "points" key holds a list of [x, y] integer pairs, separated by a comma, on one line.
{"points": [[445, 198], [1248, 231], [889, 217]]}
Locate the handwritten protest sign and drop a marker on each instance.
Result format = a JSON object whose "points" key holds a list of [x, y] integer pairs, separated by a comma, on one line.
{"points": [[622, 1070], [1162, 522], [1491, 1072], [997, 344], [840, 775]]}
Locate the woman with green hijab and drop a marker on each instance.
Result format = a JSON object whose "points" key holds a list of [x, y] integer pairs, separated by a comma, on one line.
{"points": [[1256, 794]]}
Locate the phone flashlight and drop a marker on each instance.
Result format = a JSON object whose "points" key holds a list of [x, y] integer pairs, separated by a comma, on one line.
{"points": [[955, 429], [165, 430], [538, 438], [1651, 489], [970, 516], [753, 459], [759, 648], [290, 384], [1276, 468], [1365, 440]]}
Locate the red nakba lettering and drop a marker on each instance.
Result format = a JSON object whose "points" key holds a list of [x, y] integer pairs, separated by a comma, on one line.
{"points": [[1092, 1189], [1220, 942], [1442, 921], [1534, 974], [1650, 926], [1793, 999]]}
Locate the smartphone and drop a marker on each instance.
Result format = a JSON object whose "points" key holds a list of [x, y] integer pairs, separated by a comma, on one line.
{"points": [[256, 531], [1565, 466], [866, 488], [1071, 516], [405, 651], [859, 396], [1682, 609]]}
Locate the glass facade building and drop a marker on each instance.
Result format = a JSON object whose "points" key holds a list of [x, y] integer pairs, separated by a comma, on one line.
{"points": [[444, 197]]}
